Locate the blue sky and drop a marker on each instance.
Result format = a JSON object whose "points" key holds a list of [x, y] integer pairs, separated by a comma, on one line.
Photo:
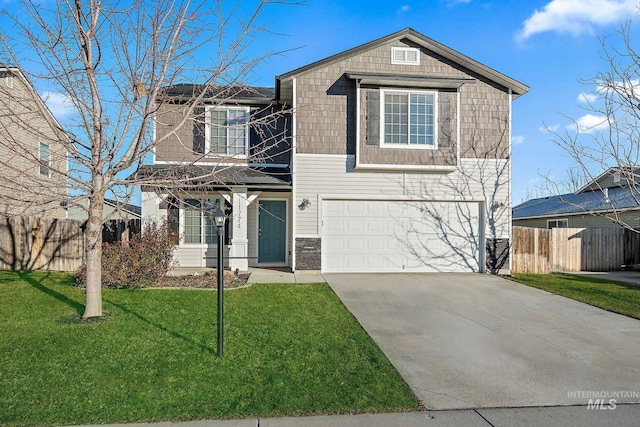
{"points": [[549, 45]]}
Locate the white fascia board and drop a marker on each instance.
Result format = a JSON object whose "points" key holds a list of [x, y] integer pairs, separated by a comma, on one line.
{"points": [[563, 214]]}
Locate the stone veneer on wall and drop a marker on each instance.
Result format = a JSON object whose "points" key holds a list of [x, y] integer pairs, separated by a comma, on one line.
{"points": [[497, 251], [308, 253]]}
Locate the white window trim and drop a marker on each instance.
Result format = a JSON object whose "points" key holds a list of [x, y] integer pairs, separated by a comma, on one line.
{"points": [[384, 144], [207, 132], [42, 163], [183, 229], [9, 81], [564, 220], [405, 51]]}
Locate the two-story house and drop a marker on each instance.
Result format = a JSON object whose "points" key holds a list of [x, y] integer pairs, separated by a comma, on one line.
{"points": [[33, 157], [393, 156]]}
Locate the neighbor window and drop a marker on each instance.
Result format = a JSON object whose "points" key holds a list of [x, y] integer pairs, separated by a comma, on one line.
{"points": [[557, 223], [198, 226], [228, 131], [45, 159], [409, 119]]}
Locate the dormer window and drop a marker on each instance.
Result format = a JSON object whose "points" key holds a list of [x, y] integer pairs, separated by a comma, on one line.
{"points": [[227, 131], [405, 56]]}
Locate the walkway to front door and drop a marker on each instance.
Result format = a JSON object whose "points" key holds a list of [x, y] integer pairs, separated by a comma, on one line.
{"points": [[272, 231]]}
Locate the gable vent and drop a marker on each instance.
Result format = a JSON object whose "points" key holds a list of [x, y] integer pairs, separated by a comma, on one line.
{"points": [[405, 55]]}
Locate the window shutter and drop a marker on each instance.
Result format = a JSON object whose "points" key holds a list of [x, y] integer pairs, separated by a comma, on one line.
{"points": [[198, 130], [173, 219], [373, 117], [445, 128]]}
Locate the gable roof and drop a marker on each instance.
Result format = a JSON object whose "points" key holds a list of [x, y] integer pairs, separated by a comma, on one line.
{"points": [[516, 87], [627, 174], [618, 198]]}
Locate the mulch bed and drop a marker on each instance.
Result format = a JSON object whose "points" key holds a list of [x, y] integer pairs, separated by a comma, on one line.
{"points": [[203, 280]]}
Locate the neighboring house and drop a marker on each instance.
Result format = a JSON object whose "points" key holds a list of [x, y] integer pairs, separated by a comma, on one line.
{"points": [[77, 208], [607, 201], [33, 158], [395, 157]]}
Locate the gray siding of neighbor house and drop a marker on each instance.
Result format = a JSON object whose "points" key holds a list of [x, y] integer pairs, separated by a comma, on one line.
{"points": [[269, 139], [632, 218], [326, 109], [23, 126]]}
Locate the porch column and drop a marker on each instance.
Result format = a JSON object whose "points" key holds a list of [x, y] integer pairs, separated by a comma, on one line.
{"points": [[239, 250]]}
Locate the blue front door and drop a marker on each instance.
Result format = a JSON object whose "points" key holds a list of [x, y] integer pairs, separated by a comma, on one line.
{"points": [[272, 231]]}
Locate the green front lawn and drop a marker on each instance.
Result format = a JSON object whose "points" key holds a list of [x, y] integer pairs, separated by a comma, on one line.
{"points": [[289, 350], [613, 296]]}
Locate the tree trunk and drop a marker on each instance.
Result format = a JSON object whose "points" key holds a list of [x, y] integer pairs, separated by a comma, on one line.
{"points": [[93, 306]]}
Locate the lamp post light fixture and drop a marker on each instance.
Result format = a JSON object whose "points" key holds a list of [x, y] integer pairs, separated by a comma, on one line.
{"points": [[219, 218]]}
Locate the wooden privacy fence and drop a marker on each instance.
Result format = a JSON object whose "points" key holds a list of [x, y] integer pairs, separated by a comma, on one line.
{"points": [[538, 250], [29, 243]]}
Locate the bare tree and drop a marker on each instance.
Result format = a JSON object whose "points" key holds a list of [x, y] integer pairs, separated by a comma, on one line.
{"points": [[113, 61], [452, 232], [611, 142]]}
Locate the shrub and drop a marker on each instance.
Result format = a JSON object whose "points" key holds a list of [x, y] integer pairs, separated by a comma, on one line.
{"points": [[141, 262]]}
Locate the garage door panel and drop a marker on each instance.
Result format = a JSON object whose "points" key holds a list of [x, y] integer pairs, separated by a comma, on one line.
{"points": [[392, 236]]}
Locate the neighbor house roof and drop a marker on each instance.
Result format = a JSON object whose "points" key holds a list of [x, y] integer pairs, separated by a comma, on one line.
{"points": [[212, 176], [410, 34], [615, 198]]}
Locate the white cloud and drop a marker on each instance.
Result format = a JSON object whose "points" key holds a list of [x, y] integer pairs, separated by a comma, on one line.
{"points": [[404, 8], [587, 98], [517, 139], [576, 17], [452, 3], [590, 123], [551, 128], [59, 104]]}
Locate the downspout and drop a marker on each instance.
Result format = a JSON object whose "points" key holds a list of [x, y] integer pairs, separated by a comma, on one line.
{"points": [[509, 180], [294, 104]]}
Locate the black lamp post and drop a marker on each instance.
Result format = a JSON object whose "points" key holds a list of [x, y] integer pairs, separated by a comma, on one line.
{"points": [[218, 217]]}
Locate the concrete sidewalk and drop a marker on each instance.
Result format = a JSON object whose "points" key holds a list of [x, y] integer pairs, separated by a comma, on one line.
{"points": [[275, 275], [621, 416]]}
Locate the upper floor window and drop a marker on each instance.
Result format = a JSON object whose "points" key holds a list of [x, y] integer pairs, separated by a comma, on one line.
{"points": [[227, 131], [9, 80], [409, 119], [45, 159], [405, 55]]}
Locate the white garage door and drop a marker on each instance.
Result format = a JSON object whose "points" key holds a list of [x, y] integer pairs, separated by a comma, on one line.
{"points": [[400, 236]]}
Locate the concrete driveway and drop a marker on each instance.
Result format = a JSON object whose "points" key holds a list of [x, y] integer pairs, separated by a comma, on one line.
{"points": [[478, 341]]}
